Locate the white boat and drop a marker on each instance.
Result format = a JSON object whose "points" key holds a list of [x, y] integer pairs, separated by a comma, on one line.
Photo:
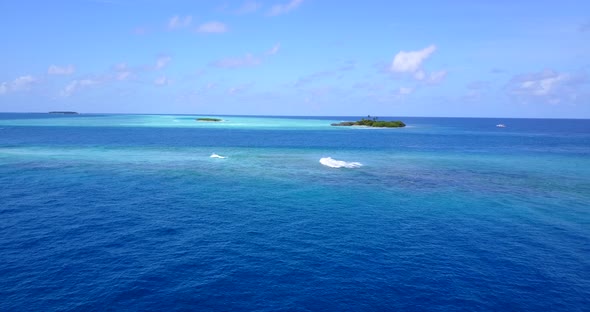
{"points": [[501, 125]]}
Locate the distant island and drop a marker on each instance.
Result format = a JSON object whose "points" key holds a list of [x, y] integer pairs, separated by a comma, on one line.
{"points": [[209, 119], [64, 112], [372, 122]]}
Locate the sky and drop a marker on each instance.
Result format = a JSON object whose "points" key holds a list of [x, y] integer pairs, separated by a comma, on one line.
{"points": [[450, 58]]}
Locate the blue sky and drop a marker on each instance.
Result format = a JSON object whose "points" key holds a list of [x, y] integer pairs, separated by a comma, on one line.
{"points": [[297, 57]]}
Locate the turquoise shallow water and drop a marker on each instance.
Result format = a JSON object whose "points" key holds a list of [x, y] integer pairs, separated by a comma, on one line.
{"points": [[131, 212], [165, 121]]}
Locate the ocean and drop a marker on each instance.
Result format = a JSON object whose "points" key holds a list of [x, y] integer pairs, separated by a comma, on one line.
{"points": [[131, 212]]}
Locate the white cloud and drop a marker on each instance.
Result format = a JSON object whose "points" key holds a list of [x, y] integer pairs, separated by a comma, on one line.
{"points": [[22, 83], [432, 78], [76, 85], [437, 77], [122, 71], [162, 61], [274, 50], [247, 60], [548, 86], [279, 9], [87, 82], [249, 7], [57, 70], [70, 88], [542, 86], [177, 22], [212, 27], [538, 84], [411, 61], [162, 81]]}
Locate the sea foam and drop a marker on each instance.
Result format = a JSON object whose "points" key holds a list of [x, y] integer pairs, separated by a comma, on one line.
{"points": [[216, 156], [333, 163]]}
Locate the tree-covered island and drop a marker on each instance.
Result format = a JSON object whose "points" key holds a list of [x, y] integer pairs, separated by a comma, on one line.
{"points": [[372, 122], [64, 112], [207, 119]]}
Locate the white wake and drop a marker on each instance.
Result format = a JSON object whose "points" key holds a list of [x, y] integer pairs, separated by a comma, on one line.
{"points": [[333, 163]]}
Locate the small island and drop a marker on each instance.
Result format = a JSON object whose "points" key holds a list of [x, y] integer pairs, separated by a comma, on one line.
{"points": [[372, 122], [64, 112], [206, 119]]}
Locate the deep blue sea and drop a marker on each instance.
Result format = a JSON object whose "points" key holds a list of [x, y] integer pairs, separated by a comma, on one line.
{"points": [[131, 212]]}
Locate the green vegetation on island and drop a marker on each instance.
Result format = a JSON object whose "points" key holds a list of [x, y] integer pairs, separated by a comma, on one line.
{"points": [[372, 122], [63, 112], [209, 119]]}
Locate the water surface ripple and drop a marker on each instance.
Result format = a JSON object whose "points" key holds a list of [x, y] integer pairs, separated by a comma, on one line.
{"points": [[113, 212]]}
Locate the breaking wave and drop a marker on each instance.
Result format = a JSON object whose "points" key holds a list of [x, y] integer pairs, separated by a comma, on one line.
{"points": [[333, 163], [216, 156]]}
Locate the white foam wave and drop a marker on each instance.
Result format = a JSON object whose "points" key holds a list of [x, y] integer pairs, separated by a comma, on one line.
{"points": [[333, 163], [217, 156]]}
